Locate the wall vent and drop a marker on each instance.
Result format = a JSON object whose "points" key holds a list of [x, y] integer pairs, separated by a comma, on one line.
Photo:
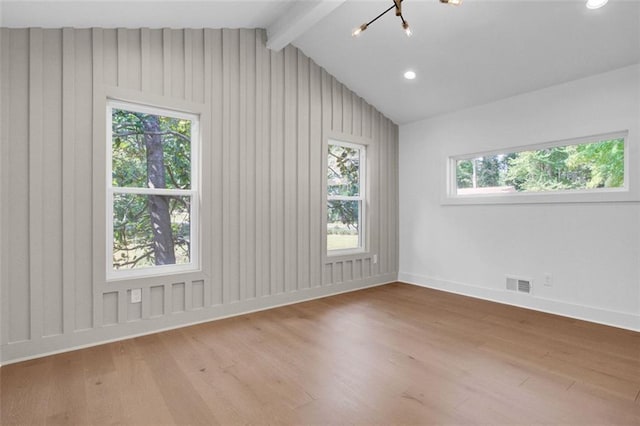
{"points": [[519, 285]]}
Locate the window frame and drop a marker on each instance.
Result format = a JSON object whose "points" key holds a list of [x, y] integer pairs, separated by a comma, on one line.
{"points": [[195, 192], [619, 194], [361, 198]]}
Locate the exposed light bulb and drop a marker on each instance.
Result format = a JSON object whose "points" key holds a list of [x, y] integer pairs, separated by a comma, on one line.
{"points": [[356, 32], [452, 2], [409, 75], [407, 30], [596, 4]]}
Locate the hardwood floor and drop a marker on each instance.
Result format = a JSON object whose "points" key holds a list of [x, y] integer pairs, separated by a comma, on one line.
{"points": [[391, 354]]}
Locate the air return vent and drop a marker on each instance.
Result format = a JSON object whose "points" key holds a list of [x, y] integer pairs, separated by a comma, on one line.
{"points": [[518, 284]]}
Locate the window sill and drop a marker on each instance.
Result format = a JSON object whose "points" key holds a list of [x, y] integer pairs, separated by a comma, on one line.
{"points": [[155, 272], [621, 195], [341, 255]]}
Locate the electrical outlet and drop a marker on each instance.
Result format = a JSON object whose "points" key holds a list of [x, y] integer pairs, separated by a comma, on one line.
{"points": [[375, 259], [136, 295], [548, 280]]}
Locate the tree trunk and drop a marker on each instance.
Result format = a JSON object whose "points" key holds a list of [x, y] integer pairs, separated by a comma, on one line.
{"points": [[158, 204], [474, 176]]}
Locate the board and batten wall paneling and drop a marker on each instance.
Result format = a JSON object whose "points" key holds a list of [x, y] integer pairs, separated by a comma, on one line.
{"points": [[265, 123], [16, 310], [4, 183]]}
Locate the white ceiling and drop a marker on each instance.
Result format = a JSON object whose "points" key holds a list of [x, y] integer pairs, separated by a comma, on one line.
{"points": [[469, 55], [473, 54]]}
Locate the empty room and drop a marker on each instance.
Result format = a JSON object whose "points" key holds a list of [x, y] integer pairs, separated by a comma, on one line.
{"points": [[319, 212]]}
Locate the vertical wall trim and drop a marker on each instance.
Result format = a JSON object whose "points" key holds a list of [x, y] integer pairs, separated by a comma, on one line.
{"points": [[188, 64], [315, 175], [248, 166], [36, 208], [374, 190], [145, 60], [166, 61], [396, 185], [347, 111], [98, 176], [123, 302], [327, 122], [217, 264], [358, 106], [206, 236], [68, 179], [304, 168], [188, 295], [259, 156], [226, 158], [146, 303], [383, 259], [290, 246], [168, 299], [5, 102], [233, 146], [336, 106], [392, 202], [242, 169], [266, 168], [277, 173], [122, 57]]}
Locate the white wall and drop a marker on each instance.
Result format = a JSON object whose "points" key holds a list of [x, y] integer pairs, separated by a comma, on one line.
{"points": [[592, 250], [266, 117]]}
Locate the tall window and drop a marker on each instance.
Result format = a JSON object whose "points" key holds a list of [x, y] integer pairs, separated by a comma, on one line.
{"points": [[152, 191], [345, 196]]}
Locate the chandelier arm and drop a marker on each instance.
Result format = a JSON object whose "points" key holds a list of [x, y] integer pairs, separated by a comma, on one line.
{"points": [[379, 16]]}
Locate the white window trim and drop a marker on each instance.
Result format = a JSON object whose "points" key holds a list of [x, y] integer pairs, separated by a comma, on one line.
{"points": [[595, 195], [194, 226], [362, 198]]}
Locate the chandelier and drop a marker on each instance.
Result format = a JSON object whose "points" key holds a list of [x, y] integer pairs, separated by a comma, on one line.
{"points": [[397, 4]]}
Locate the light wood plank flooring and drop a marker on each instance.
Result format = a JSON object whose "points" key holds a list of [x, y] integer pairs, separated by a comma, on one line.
{"points": [[391, 354]]}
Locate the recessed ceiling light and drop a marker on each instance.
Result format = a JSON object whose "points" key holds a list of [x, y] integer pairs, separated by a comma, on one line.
{"points": [[596, 4], [409, 75]]}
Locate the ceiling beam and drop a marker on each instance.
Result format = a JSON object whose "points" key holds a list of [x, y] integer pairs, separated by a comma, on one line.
{"points": [[301, 16]]}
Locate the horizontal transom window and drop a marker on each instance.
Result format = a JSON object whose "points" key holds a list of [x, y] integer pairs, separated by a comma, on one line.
{"points": [[584, 165]]}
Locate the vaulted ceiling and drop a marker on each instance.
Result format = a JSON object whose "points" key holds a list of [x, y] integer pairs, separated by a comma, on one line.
{"points": [[463, 56]]}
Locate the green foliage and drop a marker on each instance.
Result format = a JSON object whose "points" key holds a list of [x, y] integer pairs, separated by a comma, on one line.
{"points": [[345, 212], [129, 163], [133, 236], [344, 171], [489, 171], [606, 160], [591, 165], [544, 170], [132, 224], [464, 173]]}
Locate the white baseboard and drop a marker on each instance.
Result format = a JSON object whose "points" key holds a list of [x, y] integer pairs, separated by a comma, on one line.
{"points": [[31, 349], [624, 320]]}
